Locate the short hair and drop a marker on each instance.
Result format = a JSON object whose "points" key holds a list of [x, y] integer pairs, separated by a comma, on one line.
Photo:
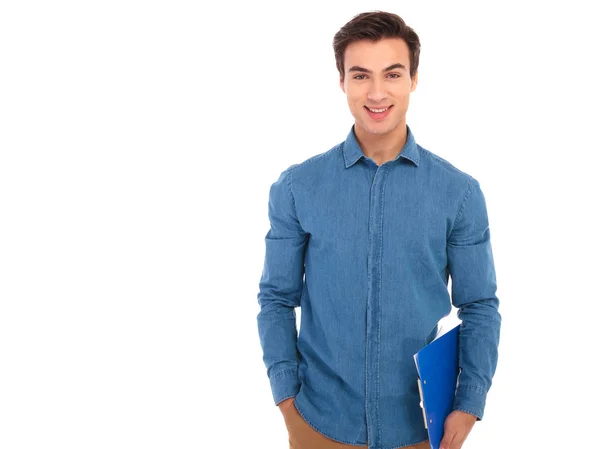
{"points": [[374, 26]]}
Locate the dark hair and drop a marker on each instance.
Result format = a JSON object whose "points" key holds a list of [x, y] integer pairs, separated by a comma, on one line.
{"points": [[375, 25]]}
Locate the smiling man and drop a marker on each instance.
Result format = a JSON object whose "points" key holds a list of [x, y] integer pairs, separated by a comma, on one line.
{"points": [[364, 238], [378, 98]]}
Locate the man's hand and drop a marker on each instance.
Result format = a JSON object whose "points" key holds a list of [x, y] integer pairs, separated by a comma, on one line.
{"points": [[457, 427], [285, 405]]}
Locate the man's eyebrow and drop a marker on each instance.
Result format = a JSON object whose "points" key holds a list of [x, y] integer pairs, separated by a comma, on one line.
{"points": [[356, 68]]}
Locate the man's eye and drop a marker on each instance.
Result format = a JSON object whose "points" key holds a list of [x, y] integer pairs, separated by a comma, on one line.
{"points": [[360, 77]]}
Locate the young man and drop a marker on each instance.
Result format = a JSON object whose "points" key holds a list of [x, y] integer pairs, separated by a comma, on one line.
{"points": [[364, 237]]}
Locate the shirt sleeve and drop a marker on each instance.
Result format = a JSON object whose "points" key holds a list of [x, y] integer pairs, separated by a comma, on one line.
{"points": [[280, 290], [471, 266]]}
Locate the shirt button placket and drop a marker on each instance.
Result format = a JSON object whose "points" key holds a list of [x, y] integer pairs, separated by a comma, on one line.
{"points": [[374, 306]]}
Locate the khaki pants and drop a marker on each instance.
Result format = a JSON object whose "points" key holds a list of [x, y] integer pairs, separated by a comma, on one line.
{"points": [[303, 436]]}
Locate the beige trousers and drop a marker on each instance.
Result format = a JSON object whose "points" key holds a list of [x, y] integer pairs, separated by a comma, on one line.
{"points": [[303, 436]]}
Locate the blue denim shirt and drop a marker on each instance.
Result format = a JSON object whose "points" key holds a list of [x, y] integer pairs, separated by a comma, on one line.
{"points": [[366, 252]]}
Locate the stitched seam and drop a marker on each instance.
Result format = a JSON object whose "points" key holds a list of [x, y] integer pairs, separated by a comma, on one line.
{"points": [[282, 373], [466, 196], [318, 429], [385, 173], [293, 167], [342, 147], [316, 157], [281, 400], [369, 292], [288, 180], [417, 154], [471, 412], [405, 445], [357, 439], [476, 388], [442, 160], [417, 157]]}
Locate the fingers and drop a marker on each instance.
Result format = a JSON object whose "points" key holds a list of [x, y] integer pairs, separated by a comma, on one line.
{"points": [[452, 440], [456, 429], [447, 441]]}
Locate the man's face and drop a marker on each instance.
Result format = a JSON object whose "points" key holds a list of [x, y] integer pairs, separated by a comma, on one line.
{"points": [[377, 76]]}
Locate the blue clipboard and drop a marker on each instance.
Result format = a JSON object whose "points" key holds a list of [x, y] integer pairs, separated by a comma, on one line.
{"points": [[437, 368]]}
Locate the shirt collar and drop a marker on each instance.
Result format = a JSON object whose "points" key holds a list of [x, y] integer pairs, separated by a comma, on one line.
{"points": [[353, 152]]}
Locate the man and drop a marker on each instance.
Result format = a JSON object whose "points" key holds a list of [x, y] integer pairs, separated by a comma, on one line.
{"points": [[364, 237]]}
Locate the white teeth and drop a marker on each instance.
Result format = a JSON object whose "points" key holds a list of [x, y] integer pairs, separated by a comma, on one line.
{"points": [[378, 110]]}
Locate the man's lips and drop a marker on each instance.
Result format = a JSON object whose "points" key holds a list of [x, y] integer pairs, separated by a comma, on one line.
{"points": [[379, 115], [378, 107]]}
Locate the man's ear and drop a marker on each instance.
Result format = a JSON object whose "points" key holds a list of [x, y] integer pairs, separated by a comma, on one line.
{"points": [[414, 81], [342, 84]]}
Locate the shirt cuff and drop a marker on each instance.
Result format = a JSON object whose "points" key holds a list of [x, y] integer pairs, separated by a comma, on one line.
{"points": [[284, 385], [470, 399]]}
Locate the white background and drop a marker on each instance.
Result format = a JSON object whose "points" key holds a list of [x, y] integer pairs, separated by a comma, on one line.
{"points": [[138, 141]]}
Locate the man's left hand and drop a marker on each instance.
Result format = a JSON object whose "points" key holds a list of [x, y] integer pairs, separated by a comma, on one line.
{"points": [[457, 427]]}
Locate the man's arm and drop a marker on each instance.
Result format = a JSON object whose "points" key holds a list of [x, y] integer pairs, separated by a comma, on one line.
{"points": [[471, 266], [280, 290]]}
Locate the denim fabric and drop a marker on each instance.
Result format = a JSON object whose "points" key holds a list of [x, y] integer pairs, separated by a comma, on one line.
{"points": [[366, 252]]}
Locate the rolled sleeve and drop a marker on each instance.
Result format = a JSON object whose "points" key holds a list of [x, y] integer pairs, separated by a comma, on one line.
{"points": [[280, 289], [471, 266]]}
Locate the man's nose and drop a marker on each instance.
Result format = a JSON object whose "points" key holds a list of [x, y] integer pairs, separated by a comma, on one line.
{"points": [[377, 91]]}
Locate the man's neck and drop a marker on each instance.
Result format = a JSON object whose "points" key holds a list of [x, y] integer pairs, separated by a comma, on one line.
{"points": [[382, 147]]}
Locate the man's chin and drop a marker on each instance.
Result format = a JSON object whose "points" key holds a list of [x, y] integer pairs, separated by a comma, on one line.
{"points": [[378, 129]]}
